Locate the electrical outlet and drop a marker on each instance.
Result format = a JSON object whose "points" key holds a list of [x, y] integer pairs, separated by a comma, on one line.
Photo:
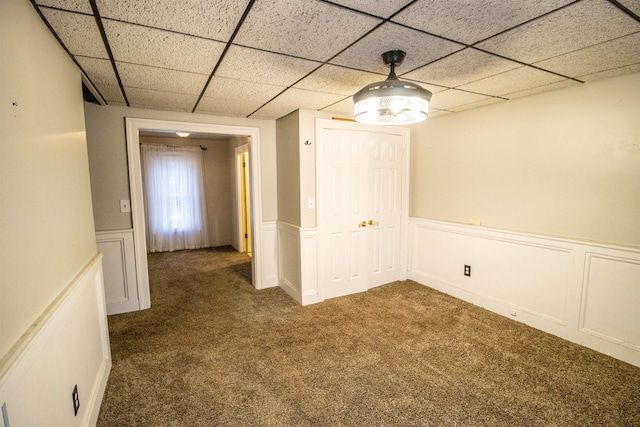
{"points": [[76, 400], [467, 270], [4, 421]]}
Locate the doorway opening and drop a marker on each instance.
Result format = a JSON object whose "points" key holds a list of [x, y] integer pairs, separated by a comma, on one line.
{"points": [[250, 135]]}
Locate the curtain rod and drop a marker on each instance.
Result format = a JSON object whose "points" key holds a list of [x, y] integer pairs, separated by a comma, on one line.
{"points": [[203, 148]]}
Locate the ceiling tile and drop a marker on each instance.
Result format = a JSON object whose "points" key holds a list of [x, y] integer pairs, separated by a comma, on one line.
{"points": [[101, 74], [632, 5], [237, 96], [452, 98], [214, 19], [222, 106], [338, 80], [512, 81], [635, 68], [431, 88], [462, 67], [309, 29], [294, 99], [477, 104], [420, 49], [469, 21], [575, 27], [253, 65], [232, 89], [383, 9], [143, 77], [613, 54], [78, 32], [541, 89], [159, 48], [157, 100], [82, 6], [433, 113], [345, 106]]}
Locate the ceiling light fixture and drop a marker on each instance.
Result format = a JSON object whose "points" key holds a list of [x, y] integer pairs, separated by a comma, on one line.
{"points": [[183, 134], [393, 101]]}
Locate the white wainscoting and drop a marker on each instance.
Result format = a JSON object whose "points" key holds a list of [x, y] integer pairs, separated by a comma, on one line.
{"points": [[584, 292], [297, 262], [269, 254], [67, 345], [119, 265]]}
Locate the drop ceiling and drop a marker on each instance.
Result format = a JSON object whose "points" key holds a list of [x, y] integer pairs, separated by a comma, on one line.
{"points": [[266, 58]]}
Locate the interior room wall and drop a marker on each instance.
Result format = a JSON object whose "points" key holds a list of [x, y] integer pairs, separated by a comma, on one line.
{"points": [[108, 158], [297, 165], [46, 226], [218, 183], [288, 135], [53, 325], [562, 163]]}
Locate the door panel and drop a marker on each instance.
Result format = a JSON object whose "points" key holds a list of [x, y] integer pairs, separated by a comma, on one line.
{"points": [[385, 191], [359, 209], [345, 241]]}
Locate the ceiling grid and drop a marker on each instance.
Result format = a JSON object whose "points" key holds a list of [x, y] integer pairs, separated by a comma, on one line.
{"points": [[266, 58]]}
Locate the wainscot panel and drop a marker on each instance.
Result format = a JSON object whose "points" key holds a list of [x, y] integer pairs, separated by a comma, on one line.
{"points": [[120, 279], [67, 346], [269, 254], [587, 293], [297, 256]]}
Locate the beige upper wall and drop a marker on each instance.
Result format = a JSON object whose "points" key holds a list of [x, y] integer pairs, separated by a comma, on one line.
{"points": [[563, 163], [108, 158], [46, 221], [296, 135], [288, 136]]}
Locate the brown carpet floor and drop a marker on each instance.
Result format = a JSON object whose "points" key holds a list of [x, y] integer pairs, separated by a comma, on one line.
{"points": [[213, 351]]}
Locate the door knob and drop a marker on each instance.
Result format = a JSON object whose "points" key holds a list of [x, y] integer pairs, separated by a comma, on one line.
{"points": [[372, 222], [362, 224]]}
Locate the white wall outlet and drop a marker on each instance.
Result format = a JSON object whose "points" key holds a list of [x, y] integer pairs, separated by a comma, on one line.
{"points": [[311, 203], [125, 206]]}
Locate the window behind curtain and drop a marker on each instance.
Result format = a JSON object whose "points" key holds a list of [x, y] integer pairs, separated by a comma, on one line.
{"points": [[175, 206]]}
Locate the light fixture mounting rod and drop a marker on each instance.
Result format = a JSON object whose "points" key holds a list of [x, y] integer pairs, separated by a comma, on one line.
{"points": [[393, 58]]}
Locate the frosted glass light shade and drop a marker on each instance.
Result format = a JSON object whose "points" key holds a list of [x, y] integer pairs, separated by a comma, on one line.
{"points": [[391, 110], [391, 102]]}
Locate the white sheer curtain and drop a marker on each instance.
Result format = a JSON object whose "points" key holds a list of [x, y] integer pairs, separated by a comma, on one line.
{"points": [[175, 207]]}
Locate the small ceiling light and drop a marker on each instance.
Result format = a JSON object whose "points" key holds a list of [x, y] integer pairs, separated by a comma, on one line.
{"points": [[393, 101], [183, 134]]}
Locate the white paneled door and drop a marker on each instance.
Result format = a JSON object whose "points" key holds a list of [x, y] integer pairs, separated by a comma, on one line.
{"points": [[360, 201]]}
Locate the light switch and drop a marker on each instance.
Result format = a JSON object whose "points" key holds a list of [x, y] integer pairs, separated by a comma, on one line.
{"points": [[125, 206], [311, 203]]}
